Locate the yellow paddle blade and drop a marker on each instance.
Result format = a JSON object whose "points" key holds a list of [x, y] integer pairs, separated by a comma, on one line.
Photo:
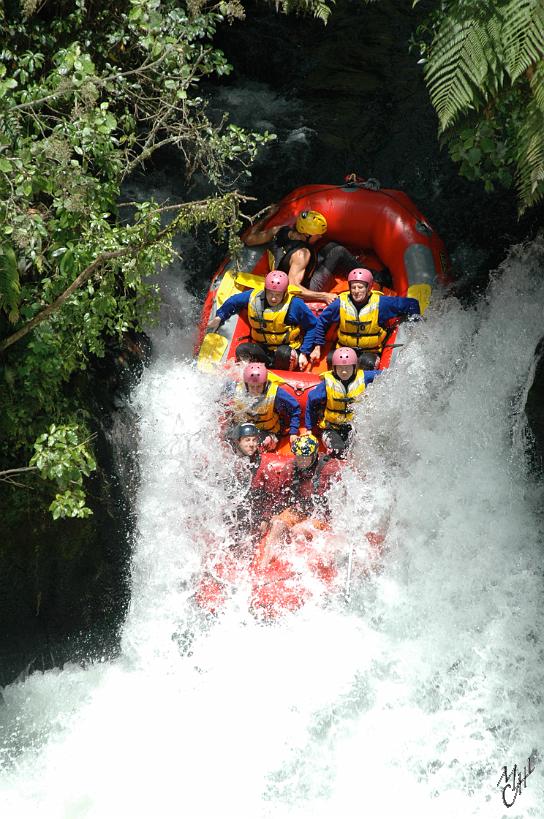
{"points": [[211, 352], [227, 288], [254, 281], [421, 292], [233, 282], [249, 280]]}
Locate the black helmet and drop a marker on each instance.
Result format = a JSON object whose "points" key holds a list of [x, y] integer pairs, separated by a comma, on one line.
{"points": [[245, 429]]}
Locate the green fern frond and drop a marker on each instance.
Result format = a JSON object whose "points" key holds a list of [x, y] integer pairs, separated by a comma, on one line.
{"points": [[522, 34], [457, 67], [496, 73], [537, 85], [10, 288], [320, 9], [530, 158]]}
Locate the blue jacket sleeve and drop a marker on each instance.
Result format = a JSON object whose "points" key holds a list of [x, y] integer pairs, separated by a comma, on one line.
{"points": [[370, 375], [301, 316], [233, 305], [394, 306], [288, 406], [317, 399], [329, 316]]}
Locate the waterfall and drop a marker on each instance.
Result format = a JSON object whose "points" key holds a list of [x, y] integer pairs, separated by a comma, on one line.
{"points": [[407, 701]]}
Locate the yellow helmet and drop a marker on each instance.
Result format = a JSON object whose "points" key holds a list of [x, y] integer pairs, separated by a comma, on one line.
{"points": [[311, 222], [305, 445]]}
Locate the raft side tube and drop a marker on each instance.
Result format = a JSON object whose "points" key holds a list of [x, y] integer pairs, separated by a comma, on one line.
{"points": [[385, 220]]}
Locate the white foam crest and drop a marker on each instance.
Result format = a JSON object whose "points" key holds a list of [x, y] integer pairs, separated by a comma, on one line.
{"points": [[180, 500], [460, 599], [175, 333], [255, 105]]}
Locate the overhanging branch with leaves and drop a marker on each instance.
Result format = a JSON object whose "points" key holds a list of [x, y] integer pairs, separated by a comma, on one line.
{"points": [[194, 211]]}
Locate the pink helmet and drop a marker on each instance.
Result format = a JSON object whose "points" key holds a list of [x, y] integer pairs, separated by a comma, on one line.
{"points": [[277, 281], [361, 274], [344, 355], [255, 373]]}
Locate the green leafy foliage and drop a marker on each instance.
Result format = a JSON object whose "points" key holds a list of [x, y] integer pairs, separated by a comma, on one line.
{"points": [[530, 156], [485, 147], [320, 9], [88, 93], [62, 456], [521, 35], [484, 66], [316, 8], [457, 66], [10, 288]]}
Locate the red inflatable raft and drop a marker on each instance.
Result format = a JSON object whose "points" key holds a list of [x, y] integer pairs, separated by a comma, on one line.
{"points": [[299, 568], [382, 228], [385, 231]]}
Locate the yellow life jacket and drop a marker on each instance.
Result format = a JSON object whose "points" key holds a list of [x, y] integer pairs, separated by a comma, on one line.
{"points": [[338, 409], [268, 323], [258, 409], [360, 328]]}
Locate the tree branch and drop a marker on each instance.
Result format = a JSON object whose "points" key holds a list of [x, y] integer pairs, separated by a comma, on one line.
{"points": [[54, 306], [19, 469], [68, 86], [100, 261]]}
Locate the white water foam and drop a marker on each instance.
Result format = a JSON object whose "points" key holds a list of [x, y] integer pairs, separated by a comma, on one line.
{"points": [[406, 702]]}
